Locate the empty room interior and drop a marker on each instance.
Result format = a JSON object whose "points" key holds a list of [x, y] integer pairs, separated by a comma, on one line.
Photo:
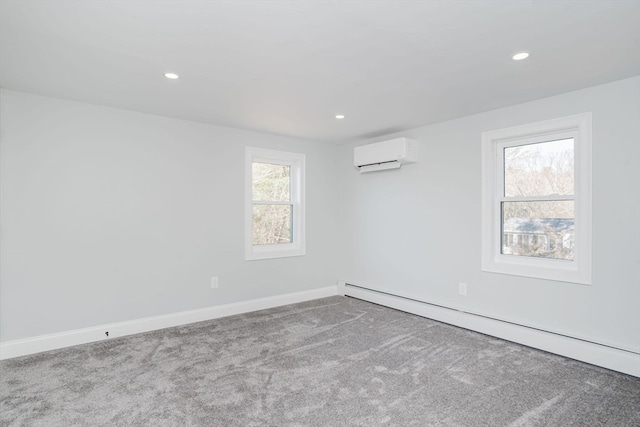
{"points": [[320, 213]]}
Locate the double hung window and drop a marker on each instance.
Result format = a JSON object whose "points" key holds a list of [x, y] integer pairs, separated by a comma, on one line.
{"points": [[537, 200], [274, 212]]}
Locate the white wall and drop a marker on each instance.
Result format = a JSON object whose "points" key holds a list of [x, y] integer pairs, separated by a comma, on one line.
{"points": [[111, 215], [415, 232]]}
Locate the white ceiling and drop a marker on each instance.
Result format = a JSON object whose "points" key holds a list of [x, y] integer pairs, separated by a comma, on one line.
{"points": [[288, 67]]}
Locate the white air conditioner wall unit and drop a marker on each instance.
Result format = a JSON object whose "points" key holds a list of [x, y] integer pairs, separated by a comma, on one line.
{"points": [[383, 155]]}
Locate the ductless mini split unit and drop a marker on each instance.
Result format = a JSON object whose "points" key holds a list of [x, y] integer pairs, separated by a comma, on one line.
{"points": [[383, 155]]}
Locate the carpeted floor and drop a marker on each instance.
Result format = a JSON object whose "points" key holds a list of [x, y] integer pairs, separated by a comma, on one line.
{"points": [[331, 362]]}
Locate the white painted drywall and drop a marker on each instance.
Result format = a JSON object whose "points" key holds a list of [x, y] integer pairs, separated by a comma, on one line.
{"points": [[415, 232], [111, 215]]}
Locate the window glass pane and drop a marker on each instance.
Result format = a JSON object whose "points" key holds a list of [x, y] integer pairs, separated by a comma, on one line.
{"points": [[539, 169], [271, 224], [538, 229], [270, 182]]}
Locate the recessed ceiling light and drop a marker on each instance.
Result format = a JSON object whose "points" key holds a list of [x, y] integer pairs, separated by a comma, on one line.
{"points": [[172, 76], [339, 116], [520, 56]]}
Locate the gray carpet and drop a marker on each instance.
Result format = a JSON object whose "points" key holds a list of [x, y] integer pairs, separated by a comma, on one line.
{"points": [[330, 362]]}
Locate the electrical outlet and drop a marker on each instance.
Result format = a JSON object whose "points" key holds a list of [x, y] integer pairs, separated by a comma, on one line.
{"points": [[214, 282], [462, 288]]}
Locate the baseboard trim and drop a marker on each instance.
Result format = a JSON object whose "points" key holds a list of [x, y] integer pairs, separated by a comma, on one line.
{"points": [[26, 346], [596, 354]]}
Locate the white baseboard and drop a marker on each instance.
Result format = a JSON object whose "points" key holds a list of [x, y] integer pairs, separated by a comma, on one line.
{"points": [[615, 359], [23, 347]]}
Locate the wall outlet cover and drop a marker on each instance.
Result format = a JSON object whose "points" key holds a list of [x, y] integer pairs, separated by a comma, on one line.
{"points": [[462, 288]]}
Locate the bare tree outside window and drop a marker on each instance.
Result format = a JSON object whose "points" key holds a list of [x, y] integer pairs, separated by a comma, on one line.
{"points": [[272, 208], [538, 210]]}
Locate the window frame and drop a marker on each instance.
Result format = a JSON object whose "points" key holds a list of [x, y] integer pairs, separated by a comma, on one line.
{"points": [[296, 162], [577, 270]]}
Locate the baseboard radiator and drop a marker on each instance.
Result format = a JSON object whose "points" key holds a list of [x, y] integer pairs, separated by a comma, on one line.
{"points": [[617, 359]]}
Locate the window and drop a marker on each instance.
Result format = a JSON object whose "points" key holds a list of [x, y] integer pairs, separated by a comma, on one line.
{"points": [[536, 200], [274, 212]]}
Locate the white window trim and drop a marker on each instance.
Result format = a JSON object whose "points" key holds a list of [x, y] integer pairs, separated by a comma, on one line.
{"points": [[297, 163], [576, 271]]}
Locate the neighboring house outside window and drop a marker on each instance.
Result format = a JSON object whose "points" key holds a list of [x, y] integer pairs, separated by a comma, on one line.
{"points": [[274, 211], [537, 200], [551, 238]]}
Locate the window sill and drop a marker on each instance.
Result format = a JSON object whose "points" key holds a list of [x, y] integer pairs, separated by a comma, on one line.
{"points": [[258, 252], [548, 269]]}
